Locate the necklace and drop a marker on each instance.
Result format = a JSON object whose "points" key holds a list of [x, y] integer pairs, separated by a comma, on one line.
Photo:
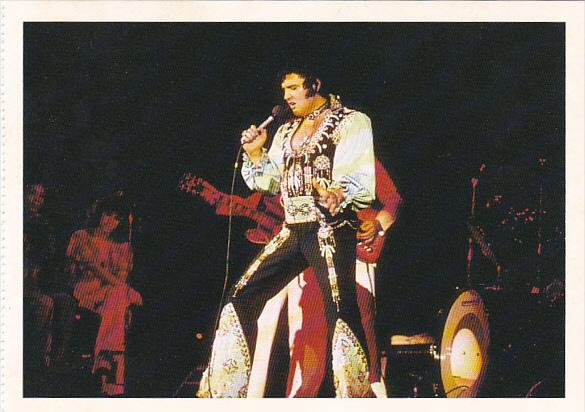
{"points": [[315, 113]]}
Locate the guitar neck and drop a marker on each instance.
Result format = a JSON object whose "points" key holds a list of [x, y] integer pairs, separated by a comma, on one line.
{"points": [[221, 201], [241, 209]]}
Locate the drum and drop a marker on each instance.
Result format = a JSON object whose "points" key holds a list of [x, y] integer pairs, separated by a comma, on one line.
{"points": [[489, 343], [451, 362], [464, 346]]}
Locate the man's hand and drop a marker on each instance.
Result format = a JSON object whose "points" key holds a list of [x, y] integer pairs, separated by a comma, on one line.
{"points": [[367, 231], [329, 199], [253, 141]]}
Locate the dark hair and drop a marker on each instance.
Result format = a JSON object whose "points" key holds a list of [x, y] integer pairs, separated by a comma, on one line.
{"points": [[28, 190], [308, 73], [110, 205], [29, 186]]}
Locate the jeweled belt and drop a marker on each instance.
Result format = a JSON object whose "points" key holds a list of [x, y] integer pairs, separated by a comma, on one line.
{"points": [[299, 209]]}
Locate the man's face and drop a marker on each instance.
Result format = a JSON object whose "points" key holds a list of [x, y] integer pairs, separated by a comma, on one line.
{"points": [[295, 95]]}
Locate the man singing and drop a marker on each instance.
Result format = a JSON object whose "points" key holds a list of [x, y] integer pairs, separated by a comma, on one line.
{"points": [[322, 162]]}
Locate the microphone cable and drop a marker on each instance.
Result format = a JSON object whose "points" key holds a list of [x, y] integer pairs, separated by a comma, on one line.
{"points": [[278, 111], [227, 267], [225, 281]]}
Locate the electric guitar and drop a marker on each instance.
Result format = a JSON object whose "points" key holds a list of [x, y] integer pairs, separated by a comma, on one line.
{"points": [[269, 221]]}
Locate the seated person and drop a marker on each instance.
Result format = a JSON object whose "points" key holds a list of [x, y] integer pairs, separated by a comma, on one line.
{"points": [[100, 258], [48, 308], [38, 320]]}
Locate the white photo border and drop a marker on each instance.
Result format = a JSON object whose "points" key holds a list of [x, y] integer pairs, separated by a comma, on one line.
{"points": [[15, 13]]}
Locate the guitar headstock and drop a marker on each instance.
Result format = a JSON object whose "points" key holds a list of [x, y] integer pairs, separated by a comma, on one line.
{"points": [[190, 184], [199, 187]]}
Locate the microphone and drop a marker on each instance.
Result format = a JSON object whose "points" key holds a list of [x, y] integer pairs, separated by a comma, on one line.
{"points": [[277, 111]]}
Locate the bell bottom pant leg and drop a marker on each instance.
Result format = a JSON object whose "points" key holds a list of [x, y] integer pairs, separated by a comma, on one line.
{"points": [[234, 346], [306, 323], [307, 336], [344, 261], [280, 261], [347, 353], [307, 341], [267, 325], [366, 299]]}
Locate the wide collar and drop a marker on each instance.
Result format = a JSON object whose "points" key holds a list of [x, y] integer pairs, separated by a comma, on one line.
{"points": [[328, 130]]}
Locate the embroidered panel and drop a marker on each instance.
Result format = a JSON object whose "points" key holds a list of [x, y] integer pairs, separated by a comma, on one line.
{"points": [[315, 159], [230, 360], [326, 240], [350, 365], [269, 249]]}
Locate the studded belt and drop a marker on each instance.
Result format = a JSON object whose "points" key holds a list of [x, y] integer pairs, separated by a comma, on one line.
{"points": [[299, 209]]}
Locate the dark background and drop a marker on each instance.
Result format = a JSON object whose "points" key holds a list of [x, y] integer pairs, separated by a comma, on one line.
{"points": [[132, 107]]}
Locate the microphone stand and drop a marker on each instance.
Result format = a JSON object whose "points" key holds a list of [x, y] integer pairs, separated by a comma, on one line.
{"points": [[541, 163], [474, 182], [470, 240]]}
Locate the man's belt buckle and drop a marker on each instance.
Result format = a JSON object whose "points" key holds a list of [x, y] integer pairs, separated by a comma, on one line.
{"points": [[300, 209]]}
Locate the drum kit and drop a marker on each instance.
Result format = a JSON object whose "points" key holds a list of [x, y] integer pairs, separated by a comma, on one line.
{"points": [[496, 336]]}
